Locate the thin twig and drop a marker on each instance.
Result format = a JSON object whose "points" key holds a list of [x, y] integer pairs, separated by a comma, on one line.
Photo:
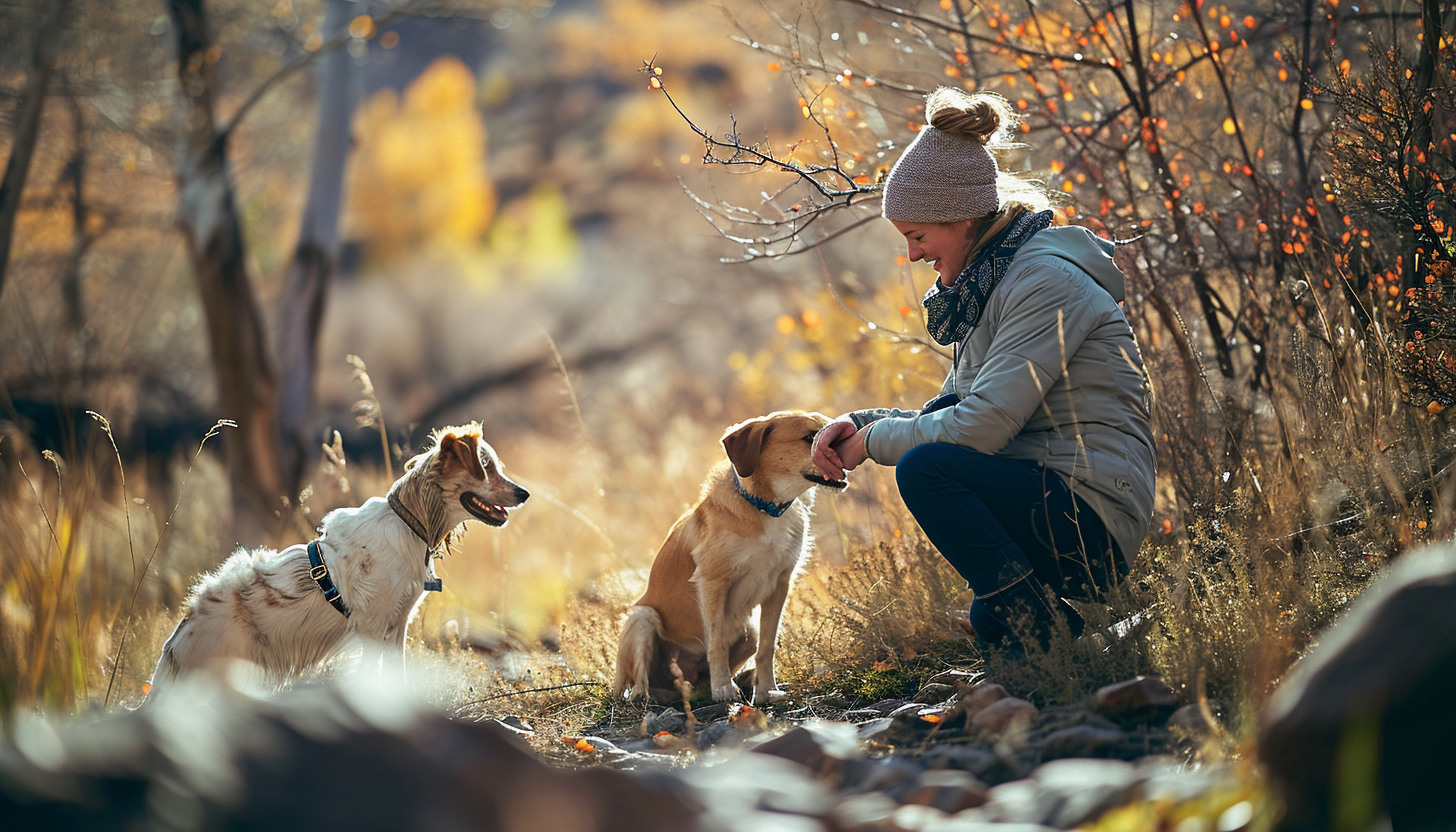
{"points": [[759, 158], [456, 710], [289, 70]]}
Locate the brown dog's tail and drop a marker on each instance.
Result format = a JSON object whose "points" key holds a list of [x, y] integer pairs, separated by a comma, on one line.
{"points": [[635, 652]]}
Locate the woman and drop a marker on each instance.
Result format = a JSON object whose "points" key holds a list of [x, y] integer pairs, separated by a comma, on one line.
{"points": [[1032, 472]]}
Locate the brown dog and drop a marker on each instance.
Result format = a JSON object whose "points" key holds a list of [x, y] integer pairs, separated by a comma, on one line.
{"points": [[737, 549]]}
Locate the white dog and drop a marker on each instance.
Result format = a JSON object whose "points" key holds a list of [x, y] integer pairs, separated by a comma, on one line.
{"points": [[365, 574]]}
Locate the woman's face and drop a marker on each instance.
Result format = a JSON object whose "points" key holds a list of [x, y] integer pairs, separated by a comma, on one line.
{"points": [[944, 245]]}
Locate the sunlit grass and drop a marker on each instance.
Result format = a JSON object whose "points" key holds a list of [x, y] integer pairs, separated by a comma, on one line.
{"points": [[94, 576]]}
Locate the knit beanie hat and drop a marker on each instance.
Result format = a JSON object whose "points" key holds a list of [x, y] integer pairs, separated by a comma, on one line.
{"points": [[947, 174]]}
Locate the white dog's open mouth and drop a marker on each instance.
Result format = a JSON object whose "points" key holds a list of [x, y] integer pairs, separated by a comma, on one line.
{"points": [[827, 483], [492, 514]]}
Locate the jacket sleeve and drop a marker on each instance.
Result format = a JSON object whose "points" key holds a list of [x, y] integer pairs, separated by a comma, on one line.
{"points": [[1041, 320]]}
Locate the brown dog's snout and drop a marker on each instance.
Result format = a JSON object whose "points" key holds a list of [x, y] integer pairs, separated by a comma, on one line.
{"points": [[521, 495]]}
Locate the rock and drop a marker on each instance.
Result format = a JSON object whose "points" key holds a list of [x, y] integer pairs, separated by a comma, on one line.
{"points": [[1020, 801], [1088, 788], [973, 820], [819, 745], [915, 717], [865, 813], [912, 817], [1083, 741], [908, 709], [373, 758], [709, 713], [671, 721], [986, 765], [887, 706], [1141, 699], [1369, 708], [892, 775], [1171, 782], [1190, 721], [884, 707], [755, 791], [948, 790], [979, 695], [1057, 717], [1003, 717], [877, 731], [956, 678], [913, 723], [934, 693], [713, 734]]}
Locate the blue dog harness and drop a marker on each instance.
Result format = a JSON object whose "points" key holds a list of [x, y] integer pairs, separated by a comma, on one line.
{"points": [[319, 571], [320, 574]]}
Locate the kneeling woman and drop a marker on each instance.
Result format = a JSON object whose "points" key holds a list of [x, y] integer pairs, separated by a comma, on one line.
{"points": [[1032, 472]]}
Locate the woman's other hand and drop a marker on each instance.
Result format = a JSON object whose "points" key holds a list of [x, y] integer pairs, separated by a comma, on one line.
{"points": [[839, 448]]}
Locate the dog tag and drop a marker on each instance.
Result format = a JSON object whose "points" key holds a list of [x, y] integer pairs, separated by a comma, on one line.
{"points": [[432, 581]]}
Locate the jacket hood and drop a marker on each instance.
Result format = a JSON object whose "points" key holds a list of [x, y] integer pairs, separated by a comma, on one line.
{"points": [[1081, 248]]}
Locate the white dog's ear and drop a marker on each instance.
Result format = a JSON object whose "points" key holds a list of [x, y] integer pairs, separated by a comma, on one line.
{"points": [[460, 449], [744, 444]]}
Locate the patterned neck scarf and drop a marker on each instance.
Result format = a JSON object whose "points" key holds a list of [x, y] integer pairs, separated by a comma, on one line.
{"points": [[950, 314]]}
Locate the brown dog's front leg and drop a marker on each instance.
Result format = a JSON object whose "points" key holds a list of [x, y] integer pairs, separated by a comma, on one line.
{"points": [[712, 601], [765, 688]]}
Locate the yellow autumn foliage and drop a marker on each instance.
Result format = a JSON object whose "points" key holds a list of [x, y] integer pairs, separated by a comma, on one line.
{"points": [[418, 178], [532, 237]]}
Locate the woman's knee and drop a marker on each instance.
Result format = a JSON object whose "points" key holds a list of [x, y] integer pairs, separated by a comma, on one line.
{"points": [[938, 462], [929, 474], [921, 467]]}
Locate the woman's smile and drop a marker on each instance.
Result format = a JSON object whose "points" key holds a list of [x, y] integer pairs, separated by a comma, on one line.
{"points": [[944, 245]]}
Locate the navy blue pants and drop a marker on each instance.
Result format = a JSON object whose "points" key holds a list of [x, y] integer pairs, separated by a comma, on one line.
{"points": [[1014, 531]]}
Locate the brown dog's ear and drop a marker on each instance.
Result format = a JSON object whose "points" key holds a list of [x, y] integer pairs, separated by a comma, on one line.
{"points": [[460, 449], [744, 443]]}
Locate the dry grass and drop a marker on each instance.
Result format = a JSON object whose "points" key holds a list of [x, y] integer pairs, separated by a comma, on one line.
{"points": [[1228, 596]]}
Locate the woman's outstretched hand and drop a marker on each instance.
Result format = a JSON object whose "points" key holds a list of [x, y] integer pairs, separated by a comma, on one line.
{"points": [[838, 449]]}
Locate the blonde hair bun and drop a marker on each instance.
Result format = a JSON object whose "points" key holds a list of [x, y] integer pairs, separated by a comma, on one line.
{"points": [[983, 117]]}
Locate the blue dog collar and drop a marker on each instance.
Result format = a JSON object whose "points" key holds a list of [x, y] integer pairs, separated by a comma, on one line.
{"points": [[771, 509]]}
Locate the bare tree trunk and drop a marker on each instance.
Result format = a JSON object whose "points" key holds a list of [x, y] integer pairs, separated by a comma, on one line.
{"points": [[208, 217], [1433, 35], [301, 306], [75, 174], [27, 126]]}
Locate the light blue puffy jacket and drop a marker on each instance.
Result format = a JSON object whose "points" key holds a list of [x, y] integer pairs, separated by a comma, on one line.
{"points": [[1051, 373]]}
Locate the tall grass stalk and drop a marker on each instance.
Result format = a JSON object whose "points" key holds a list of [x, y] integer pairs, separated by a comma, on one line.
{"points": [[369, 413], [126, 626], [50, 587], [600, 487]]}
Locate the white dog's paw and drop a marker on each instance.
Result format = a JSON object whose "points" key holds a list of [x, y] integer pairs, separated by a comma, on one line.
{"points": [[726, 693], [772, 696]]}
